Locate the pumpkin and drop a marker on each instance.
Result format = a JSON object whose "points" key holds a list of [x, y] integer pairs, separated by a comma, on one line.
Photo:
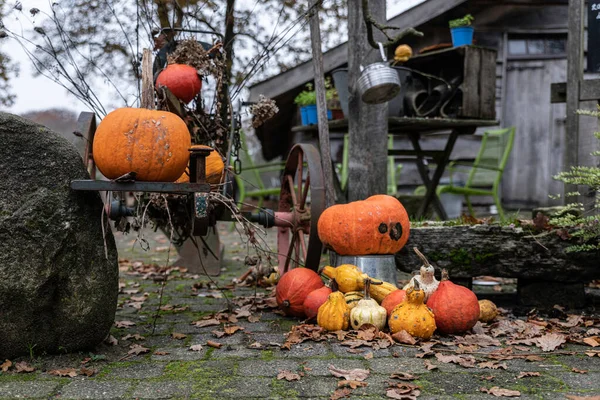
{"points": [[352, 298], [367, 311], [403, 53], [487, 311], [426, 279], [314, 300], [214, 168], [292, 289], [153, 144], [392, 300], [413, 316], [334, 314], [181, 80], [455, 307], [351, 279], [377, 225]]}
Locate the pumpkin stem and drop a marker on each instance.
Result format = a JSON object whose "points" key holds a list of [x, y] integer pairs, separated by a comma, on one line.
{"points": [[367, 288], [422, 257], [286, 303], [445, 276], [416, 285]]}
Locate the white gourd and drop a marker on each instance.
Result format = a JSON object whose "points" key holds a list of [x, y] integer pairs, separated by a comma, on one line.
{"points": [[426, 277], [368, 311]]}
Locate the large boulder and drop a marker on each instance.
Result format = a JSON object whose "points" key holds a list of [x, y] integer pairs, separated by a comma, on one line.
{"points": [[58, 271]]}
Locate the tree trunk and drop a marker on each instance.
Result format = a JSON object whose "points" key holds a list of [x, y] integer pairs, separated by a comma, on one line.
{"points": [[367, 123]]}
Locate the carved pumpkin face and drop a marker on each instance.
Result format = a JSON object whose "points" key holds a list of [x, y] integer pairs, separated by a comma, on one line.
{"points": [[154, 144], [377, 225]]}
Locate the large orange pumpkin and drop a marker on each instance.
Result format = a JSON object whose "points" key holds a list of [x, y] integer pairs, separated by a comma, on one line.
{"points": [[293, 288], [182, 80], [214, 168], [377, 225], [154, 144]]}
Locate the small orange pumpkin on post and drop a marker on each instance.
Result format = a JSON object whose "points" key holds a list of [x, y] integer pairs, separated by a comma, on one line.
{"points": [[377, 225]]}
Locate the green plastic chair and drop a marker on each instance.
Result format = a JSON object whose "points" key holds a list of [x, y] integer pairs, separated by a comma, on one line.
{"points": [[393, 169], [485, 173]]}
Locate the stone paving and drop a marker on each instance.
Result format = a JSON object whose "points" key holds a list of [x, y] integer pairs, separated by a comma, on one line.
{"points": [[166, 367]]}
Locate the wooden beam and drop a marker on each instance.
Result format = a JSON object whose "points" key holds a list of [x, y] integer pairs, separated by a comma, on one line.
{"points": [[574, 75], [315, 40], [589, 90]]}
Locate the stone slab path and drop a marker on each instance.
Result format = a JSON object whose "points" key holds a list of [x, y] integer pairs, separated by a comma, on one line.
{"points": [[151, 355]]}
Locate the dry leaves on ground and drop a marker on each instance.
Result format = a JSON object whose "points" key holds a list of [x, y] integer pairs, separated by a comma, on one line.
{"points": [[579, 371], [351, 384], [525, 374], [593, 341], [5, 365], [492, 365], [356, 374], [196, 347], [404, 337], [429, 365], [573, 397], [87, 371], [288, 376], [341, 393], [499, 392], [111, 340], [161, 353], [124, 324], [464, 361], [211, 343], [178, 336], [70, 372], [403, 376], [22, 366], [403, 391], [206, 322], [550, 341], [137, 349]]}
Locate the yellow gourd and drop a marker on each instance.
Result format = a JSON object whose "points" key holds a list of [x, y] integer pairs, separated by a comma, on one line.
{"points": [[412, 315], [334, 314], [352, 298], [367, 311], [487, 311], [348, 277], [380, 289]]}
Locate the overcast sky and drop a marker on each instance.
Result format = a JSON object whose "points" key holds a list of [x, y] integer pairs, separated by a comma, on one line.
{"points": [[34, 94]]}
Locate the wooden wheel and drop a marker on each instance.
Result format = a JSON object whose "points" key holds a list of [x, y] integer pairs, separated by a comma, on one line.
{"points": [[301, 202]]}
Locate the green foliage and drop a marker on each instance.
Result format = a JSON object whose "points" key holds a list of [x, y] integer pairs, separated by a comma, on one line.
{"points": [[309, 96], [464, 21], [583, 226]]}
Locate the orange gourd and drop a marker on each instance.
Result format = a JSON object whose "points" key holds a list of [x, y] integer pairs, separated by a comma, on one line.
{"points": [[392, 300], [413, 316], [182, 80], [214, 168], [377, 225], [487, 311], [314, 300], [292, 289], [153, 144], [334, 314], [455, 307]]}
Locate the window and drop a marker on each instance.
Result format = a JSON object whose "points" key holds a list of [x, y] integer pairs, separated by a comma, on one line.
{"points": [[537, 46]]}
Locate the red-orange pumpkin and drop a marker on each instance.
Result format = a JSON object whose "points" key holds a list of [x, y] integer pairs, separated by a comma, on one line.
{"points": [[214, 168], [182, 80], [392, 300], [377, 225], [154, 144], [455, 307], [293, 287], [314, 300]]}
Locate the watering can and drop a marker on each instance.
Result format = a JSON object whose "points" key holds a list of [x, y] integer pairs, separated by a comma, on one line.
{"points": [[378, 82]]}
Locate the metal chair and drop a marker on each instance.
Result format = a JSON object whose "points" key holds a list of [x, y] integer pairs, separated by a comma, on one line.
{"points": [[485, 173]]}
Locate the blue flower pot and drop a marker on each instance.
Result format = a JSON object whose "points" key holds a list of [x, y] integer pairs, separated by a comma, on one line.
{"points": [[308, 114], [462, 36]]}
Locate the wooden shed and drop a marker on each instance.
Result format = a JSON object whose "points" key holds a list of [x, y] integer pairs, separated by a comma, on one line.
{"points": [[530, 38]]}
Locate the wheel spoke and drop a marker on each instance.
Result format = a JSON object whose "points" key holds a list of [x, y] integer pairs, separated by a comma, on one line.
{"points": [[288, 257], [290, 182], [302, 240], [305, 193], [299, 175]]}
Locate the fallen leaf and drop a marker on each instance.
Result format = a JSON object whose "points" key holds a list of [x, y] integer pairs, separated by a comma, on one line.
{"points": [[572, 320], [288, 376], [196, 347], [161, 353], [429, 365], [351, 384], [341, 393], [592, 341], [87, 371], [579, 371], [137, 349], [403, 376], [111, 340], [369, 355], [479, 340], [135, 336], [178, 336], [592, 353], [403, 392], [550, 341], [356, 374], [404, 337], [499, 392], [465, 361], [218, 334], [492, 365], [206, 322], [527, 374], [367, 332], [22, 366], [534, 358], [573, 397], [72, 372], [124, 324], [487, 377], [216, 345], [253, 319], [5, 365], [230, 330], [256, 345]]}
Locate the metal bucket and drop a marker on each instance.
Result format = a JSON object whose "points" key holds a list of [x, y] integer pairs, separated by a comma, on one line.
{"points": [[378, 82], [376, 266]]}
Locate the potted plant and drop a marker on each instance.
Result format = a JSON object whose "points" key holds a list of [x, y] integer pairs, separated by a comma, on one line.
{"points": [[462, 31], [307, 100]]}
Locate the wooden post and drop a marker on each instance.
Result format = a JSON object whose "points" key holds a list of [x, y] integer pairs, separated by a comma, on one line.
{"points": [[574, 75], [367, 124], [315, 40]]}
